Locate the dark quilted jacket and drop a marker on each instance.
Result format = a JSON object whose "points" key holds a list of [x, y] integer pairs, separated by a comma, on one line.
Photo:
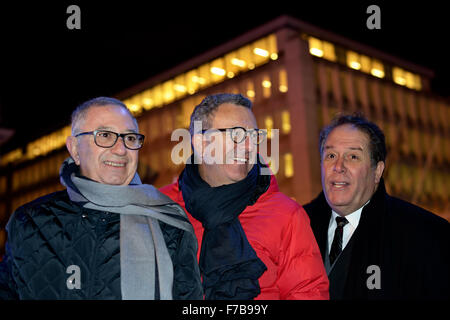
{"points": [[50, 234]]}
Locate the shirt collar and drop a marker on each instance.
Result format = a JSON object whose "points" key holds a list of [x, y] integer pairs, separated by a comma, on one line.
{"points": [[352, 218]]}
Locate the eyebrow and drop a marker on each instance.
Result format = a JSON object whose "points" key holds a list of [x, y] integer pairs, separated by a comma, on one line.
{"points": [[351, 148], [112, 129]]}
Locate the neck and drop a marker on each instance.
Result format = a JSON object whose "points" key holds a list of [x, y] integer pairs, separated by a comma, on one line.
{"points": [[206, 175]]}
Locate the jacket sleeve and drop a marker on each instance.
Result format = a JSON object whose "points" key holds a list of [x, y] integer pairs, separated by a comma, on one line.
{"points": [[302, 275], [8, 286]]}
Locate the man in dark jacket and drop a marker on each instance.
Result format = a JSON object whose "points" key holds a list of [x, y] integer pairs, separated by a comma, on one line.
{"points": [[107, 236], [374, 246]]}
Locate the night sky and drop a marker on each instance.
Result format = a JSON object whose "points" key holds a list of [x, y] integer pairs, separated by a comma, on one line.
{"points": [[46, 70]]}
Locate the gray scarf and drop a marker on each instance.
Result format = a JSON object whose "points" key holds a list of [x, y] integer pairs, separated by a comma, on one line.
{"points": [[143, 251]]}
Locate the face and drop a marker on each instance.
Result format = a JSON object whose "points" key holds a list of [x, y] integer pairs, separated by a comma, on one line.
{"points": [[348, 177], [116, 165], [238, 166]]}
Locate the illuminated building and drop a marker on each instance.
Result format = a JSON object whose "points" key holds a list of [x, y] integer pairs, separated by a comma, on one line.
{"points": [[298, 77]]}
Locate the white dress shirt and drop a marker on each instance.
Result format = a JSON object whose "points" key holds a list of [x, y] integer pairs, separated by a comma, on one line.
{"points": [[349, 228]]}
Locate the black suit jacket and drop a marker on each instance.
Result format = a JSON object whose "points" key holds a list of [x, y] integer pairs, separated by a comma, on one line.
{"points": [[409, 245]]}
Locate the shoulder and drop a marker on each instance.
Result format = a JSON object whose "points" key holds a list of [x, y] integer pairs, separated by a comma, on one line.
{"points": [[170, 189], [414, 216], [40, 207]]}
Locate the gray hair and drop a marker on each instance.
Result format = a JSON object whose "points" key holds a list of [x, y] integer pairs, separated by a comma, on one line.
{"points": [[377, 144], [79, 114], [204, 111]]}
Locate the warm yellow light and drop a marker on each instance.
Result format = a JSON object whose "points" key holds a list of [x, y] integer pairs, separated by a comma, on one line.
{"points": [[134, 108], [218, 71], [261, 52], [286, 122], [377, 73], [198, 79], [274, 56], [268, 121], [266, 84], [283, 88], [288, 165], [179, 88], [250, 93], [230, 74], [238, 62], [316, 52], [355, 65], [147, 102], [400, 80]]}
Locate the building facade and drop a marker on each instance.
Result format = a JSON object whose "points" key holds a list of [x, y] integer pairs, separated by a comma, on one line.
{"points": [[298, 77]]}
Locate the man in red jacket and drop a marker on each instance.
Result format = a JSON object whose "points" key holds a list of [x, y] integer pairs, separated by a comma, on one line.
{"points": [[255, 241]]}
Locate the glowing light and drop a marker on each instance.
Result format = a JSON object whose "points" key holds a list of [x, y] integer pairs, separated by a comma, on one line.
{"points": [[316, 52], [179, 88], [400, 80], [230, 74], [250, 93], [238, 62], [218, 71], [283, 88], [198, 80], [377, 73], [266, 84], [261, 52], [274, 56], [355, 65]]}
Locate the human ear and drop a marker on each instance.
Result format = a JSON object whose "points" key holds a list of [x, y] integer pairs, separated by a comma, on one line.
{"points": [[379, 171], [72, 147]]}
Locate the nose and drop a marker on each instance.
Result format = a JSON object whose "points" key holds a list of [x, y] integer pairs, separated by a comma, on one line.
{"points": [[339, 165], [119, 147], [249, 144]]}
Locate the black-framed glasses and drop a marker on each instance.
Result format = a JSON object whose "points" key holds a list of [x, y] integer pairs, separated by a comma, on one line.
{"points": [[238, 134], [107, 139]]}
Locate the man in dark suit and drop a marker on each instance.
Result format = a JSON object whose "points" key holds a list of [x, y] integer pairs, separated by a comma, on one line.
{"points": [[374, 246]]}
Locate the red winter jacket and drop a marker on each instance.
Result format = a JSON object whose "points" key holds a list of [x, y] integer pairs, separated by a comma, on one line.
{"points": [[278, 230]]}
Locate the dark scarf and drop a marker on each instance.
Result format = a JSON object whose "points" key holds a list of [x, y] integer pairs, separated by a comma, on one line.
{"points": [[229, 265]]}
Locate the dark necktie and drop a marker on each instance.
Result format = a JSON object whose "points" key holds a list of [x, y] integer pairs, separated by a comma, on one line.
{"points": [[336, 246]]}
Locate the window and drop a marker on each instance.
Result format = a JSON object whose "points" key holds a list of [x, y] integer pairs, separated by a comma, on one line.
{"points": [[282, 79], [288, 165], [285, 122]]}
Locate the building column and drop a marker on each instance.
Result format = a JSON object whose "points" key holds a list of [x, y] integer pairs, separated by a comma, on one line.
{"points": [[302, 106]]}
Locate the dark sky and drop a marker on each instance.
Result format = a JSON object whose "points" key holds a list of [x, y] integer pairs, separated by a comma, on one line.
{"points": [[46, 69]]}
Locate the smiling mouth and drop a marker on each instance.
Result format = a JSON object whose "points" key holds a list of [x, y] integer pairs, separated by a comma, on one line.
{"points": [[339, 185], [114, 164]]}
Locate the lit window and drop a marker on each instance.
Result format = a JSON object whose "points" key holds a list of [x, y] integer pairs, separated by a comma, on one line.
{"points": [[283, 85], [328, 51], [321, 49], [218, 70], [377, 69], [288, 165], [366, 63], [406, 78], [168, 93], [147, 99], [238, 62], [285, 122], [261, 52], [268, 122], [353, 60], [250, 90], [266, 84], [315, 47]]}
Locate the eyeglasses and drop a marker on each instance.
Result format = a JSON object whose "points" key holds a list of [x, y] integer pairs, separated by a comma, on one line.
{"points": [[107, 139], [238, 134]]}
